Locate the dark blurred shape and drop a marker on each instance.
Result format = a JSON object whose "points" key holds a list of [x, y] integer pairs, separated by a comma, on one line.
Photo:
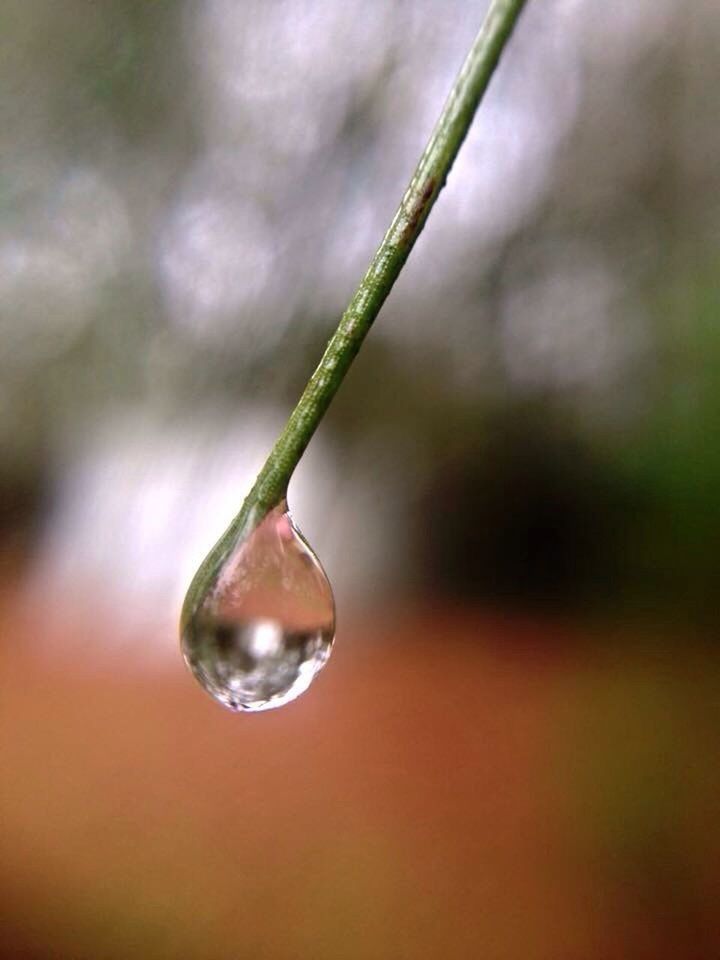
{"points": [[524, 517]]}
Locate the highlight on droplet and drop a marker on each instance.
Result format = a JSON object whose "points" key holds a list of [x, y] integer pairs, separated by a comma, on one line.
{"points": [[266, 627]]}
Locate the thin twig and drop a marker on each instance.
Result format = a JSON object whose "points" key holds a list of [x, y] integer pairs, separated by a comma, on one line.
{"points": [[270, 487]]}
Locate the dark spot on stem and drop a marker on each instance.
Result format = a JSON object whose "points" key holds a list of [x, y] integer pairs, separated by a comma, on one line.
{"points": [[417, 212]]}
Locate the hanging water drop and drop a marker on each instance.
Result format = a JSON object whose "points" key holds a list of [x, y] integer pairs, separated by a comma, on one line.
{"points": [[266, 626]]}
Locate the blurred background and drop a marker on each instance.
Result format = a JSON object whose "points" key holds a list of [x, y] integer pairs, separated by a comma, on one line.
{"points": [[514, 750]]}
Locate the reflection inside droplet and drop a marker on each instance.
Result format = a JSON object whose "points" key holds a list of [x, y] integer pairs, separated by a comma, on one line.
{"points": [[266, 627]]}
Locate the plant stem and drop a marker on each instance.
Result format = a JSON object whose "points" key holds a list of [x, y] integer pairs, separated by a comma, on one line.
{"points": [[270, 487]]}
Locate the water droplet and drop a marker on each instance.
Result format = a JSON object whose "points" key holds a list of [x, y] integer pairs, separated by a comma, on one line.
{"points": [[266, 626]]}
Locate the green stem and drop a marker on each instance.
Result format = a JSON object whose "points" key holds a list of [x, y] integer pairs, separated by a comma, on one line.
{"points": [[271, 485]]}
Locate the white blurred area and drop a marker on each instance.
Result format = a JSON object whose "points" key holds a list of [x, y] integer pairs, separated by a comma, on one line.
{"points": [[51, 276], [168, 277], [141, 501]]}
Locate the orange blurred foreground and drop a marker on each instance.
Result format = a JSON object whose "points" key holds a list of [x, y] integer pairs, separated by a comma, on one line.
{"points": [[453, 786]]}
